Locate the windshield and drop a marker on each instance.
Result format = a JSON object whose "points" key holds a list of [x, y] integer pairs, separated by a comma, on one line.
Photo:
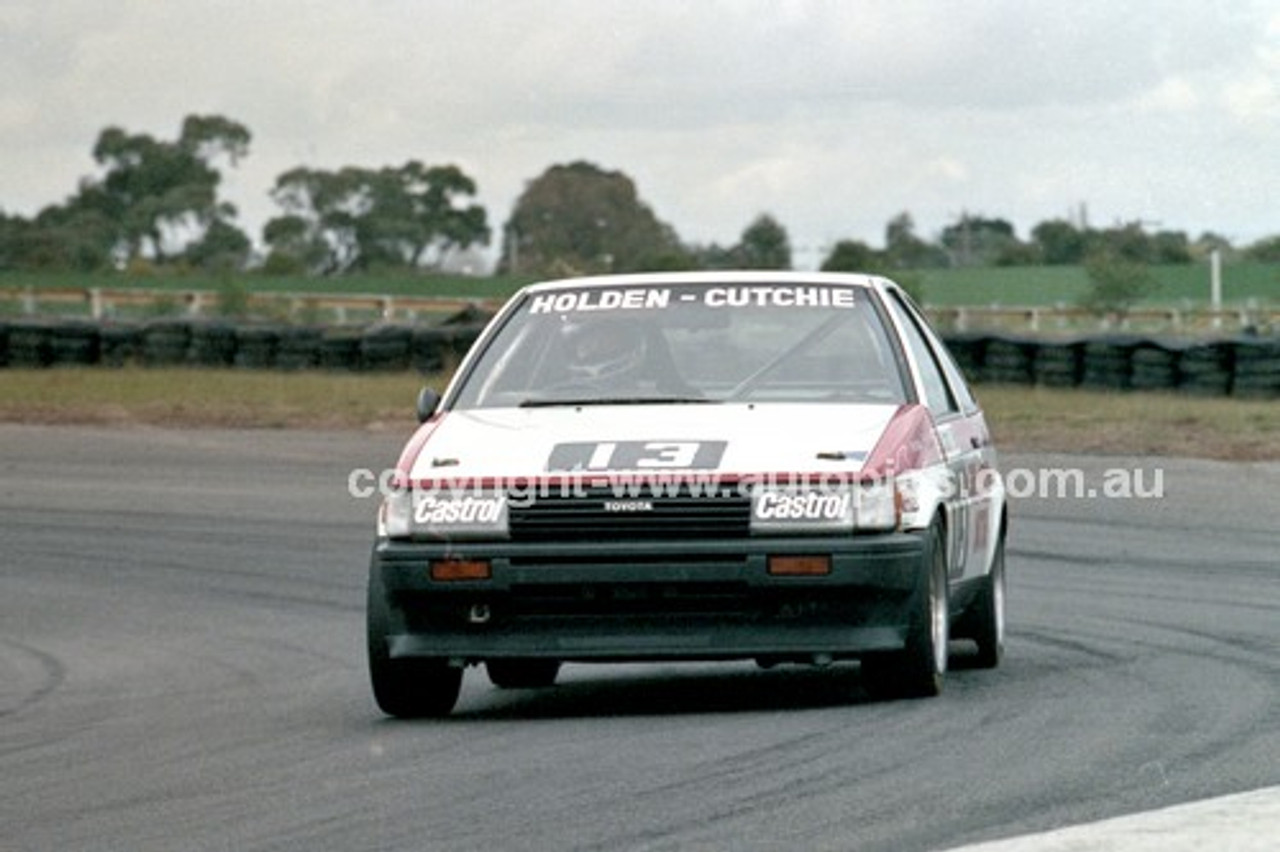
{"points": [[687, 344]]}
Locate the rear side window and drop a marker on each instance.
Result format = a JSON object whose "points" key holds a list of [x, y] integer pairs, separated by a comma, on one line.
{"points": [[955, 377], [937, 391]]}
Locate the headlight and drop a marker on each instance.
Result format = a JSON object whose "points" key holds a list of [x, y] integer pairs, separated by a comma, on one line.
{"points": [[395, 516], [443, 514], [877, 506], [841, 508]]}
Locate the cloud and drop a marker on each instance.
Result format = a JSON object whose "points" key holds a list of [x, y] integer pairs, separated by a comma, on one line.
{"points": [[832, 115]]}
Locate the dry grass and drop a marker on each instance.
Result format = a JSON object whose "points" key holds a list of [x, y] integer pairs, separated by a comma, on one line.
{"points": [[195, 398], [1022, 419], [1133, 423]]}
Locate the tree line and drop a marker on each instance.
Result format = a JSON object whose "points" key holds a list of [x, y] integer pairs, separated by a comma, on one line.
{"points": [[155, 203]]}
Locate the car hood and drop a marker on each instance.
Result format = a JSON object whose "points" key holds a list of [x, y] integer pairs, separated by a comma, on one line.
{"points": [[724, 439]]}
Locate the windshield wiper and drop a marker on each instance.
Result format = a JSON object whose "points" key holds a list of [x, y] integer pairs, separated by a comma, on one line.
{"points": [[813, 337], [615, 400]]}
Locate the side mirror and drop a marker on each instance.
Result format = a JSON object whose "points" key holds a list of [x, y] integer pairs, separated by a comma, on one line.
{"points": [[428, 401]]}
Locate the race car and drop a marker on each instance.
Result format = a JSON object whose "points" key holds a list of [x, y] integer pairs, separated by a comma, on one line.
{"points": [[783, 467]]}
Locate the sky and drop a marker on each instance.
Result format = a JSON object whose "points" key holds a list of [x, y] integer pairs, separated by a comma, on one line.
{"points": [[833, 117]]}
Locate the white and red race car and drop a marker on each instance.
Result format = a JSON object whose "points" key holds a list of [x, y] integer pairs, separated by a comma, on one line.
{"points": [[778, 466]]}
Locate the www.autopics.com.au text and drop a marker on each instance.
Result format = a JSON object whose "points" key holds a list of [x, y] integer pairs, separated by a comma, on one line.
{"points": [[1050, 483]]}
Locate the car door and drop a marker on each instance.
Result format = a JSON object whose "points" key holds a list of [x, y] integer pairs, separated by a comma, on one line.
{"points": [[964, 438]]}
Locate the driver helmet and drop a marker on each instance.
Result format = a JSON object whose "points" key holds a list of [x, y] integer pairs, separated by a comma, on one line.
{"points": [[604, 351]]}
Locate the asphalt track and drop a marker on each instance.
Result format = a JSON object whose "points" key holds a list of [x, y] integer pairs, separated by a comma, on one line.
{"points": [[181, 667]]}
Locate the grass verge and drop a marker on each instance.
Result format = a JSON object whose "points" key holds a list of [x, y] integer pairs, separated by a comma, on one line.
{"points": [[1022, 419], [1156, 424], [193, 398]]}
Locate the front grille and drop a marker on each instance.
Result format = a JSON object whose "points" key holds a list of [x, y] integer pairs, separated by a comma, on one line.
{"points": [[629, 599], [601, 514]]}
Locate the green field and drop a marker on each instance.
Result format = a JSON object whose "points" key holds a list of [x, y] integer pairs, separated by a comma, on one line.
{"points": [[459, 286], [1180, 286]]}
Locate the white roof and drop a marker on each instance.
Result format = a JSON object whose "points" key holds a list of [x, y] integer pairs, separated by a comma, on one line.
{"points": [[716, 277]]}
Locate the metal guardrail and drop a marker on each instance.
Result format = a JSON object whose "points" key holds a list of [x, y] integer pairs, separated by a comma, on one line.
{"points": [[1064, 319], [104, 302]]}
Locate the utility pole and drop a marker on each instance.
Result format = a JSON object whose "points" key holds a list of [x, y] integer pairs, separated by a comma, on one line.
{"points": [[1215, 286], [513, 252]]}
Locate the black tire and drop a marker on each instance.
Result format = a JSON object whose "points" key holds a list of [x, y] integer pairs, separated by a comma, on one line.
{"points": [[986, 624], [299, 348], [29, 344], [165, 343], [522, 673], [339, 350], [411, 688], [256, 347], [74, 343], [386, 348], [919, 669]]}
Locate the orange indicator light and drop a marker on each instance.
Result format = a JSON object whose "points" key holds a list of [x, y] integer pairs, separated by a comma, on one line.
{"points": [[799, 566], [461, 569]]}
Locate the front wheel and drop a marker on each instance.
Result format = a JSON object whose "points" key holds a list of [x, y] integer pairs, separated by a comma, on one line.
{"points": [[415, 688], [918, 670], [410, 688]]}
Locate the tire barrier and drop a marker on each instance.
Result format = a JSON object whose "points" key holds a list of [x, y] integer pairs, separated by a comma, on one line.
{"points": [[471, 315], [1059, 364], [256, 346], [1206, 370], [165, 343], [119, 345], [1245, 367], [298, 347], [339, 349], [75, 344], [213, 344], [969, 352], [1108, 364], [28, 345], [1154, 367], [1008, 361], [430, 349], [386, 347], [1257, 370]]}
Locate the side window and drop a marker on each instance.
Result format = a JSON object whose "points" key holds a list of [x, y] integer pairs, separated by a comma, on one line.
{"points": [[955, 378], [937, 393], [958, 384]]}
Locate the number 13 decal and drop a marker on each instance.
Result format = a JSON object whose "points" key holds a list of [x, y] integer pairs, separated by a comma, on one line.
{"points": [[636, 455]]}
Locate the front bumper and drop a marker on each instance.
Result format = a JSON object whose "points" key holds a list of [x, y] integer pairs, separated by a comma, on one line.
{"points": [[648, 600]]}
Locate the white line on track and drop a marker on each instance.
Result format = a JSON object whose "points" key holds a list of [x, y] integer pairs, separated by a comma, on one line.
{"points": [[1247, 822]]}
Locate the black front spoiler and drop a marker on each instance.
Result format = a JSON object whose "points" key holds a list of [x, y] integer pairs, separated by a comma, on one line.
{"points": [[650, 600]]}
